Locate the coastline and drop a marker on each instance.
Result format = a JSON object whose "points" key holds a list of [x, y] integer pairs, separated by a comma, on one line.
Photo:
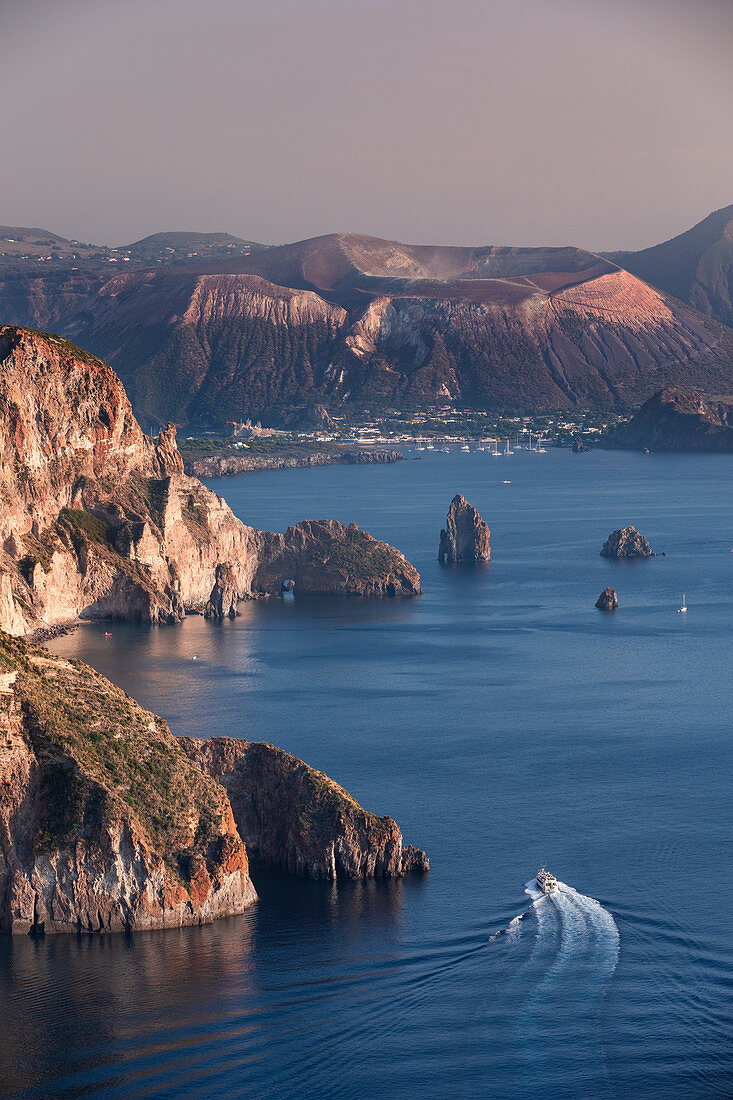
{"points": [[230, 464]]}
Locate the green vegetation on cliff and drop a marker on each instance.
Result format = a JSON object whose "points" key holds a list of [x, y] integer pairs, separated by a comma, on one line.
{"points": [[103, 757]]}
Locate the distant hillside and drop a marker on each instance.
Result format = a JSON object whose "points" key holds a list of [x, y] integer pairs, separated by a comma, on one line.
{"points": [[44, 278], [696, 266], [191, 246], [207, 327], [17, 233], [676, 420], [346, 318]]}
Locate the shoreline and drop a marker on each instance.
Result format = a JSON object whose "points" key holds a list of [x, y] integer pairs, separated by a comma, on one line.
{"points": [[227, 465]]}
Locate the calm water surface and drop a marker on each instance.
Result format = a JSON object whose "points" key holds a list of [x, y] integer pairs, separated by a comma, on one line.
{"points": [[502, 721]]}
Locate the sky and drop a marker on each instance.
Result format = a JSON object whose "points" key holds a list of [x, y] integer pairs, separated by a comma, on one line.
{"points": [[600, 123]]}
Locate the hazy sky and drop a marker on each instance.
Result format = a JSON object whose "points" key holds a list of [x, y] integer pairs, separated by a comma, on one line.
{"points": [[603, 123]]}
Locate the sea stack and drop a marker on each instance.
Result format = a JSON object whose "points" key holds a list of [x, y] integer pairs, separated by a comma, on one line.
{"points": [[466, 535], [223, 598], [626, 542], [608, 600]]}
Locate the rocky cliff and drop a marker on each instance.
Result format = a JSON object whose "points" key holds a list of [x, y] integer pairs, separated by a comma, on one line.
{"points": [[295, 818], [466, 535], [104, 823], [676, 420], [97, 520]]}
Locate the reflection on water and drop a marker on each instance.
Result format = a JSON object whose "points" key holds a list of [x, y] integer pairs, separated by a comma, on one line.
{"points": [[502, 720]]}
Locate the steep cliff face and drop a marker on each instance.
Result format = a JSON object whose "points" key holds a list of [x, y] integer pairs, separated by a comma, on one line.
{"points": [[98, 520], [104, 823], [346, 318], [676, 420], [465, 536], [297, 819]]}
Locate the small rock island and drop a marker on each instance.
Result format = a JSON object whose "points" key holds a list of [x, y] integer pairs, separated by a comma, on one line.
{"points": [[608, 600], [626, 542], [466, 535]]}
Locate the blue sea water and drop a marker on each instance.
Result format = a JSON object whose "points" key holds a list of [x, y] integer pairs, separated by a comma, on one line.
{"points": [[502, 721]]}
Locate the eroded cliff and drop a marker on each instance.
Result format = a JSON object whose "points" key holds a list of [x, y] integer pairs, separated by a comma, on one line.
{"points": [[98, 520], [104, 823], [293, 817]]}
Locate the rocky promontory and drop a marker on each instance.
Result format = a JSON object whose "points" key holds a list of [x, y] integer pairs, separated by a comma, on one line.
{"points": [[104, 823], [109, 823], [99, 521], [295, 818], [626, 542], [465, 536], [230, 461], [608, 600], [676, 420]]}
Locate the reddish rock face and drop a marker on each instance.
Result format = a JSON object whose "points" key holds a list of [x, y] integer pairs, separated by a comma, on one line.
{"points": [[101, 522], [296, 818], [608, 600], [626, 542], [105, 824], [466, 536]]}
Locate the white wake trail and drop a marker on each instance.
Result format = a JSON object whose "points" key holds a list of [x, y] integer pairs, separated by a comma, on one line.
{"points": [[575, 955]]}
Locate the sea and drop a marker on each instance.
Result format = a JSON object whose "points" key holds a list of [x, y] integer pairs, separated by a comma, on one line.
{"points": [[504, 723]]}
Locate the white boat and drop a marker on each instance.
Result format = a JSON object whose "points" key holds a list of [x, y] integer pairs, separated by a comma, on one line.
{"points": [[465, 447], [546, 881], [684, 604]]}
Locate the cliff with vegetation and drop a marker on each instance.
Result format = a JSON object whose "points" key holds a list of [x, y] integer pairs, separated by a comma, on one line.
{"points": [[293, 817], [104, 823], [97, 520], [108, 822], [676, 420]]}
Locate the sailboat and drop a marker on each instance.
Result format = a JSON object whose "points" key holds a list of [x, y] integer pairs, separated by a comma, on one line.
{"points": [[684, 604]]}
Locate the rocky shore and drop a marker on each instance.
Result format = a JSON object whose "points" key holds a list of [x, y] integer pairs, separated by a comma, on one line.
{"points": [[230, 463], [295, 818], [109, 823], [104, 824], [676, 420], [101, 522]]}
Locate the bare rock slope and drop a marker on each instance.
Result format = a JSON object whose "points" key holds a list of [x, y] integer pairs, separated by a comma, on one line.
{"points": [[344, 318]]}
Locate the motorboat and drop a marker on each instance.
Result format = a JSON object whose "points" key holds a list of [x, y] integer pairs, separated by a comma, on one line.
{"points": [[546, 881]]}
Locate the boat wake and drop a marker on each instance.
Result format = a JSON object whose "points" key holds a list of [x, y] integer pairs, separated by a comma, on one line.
{"points": [[573, 958]]}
